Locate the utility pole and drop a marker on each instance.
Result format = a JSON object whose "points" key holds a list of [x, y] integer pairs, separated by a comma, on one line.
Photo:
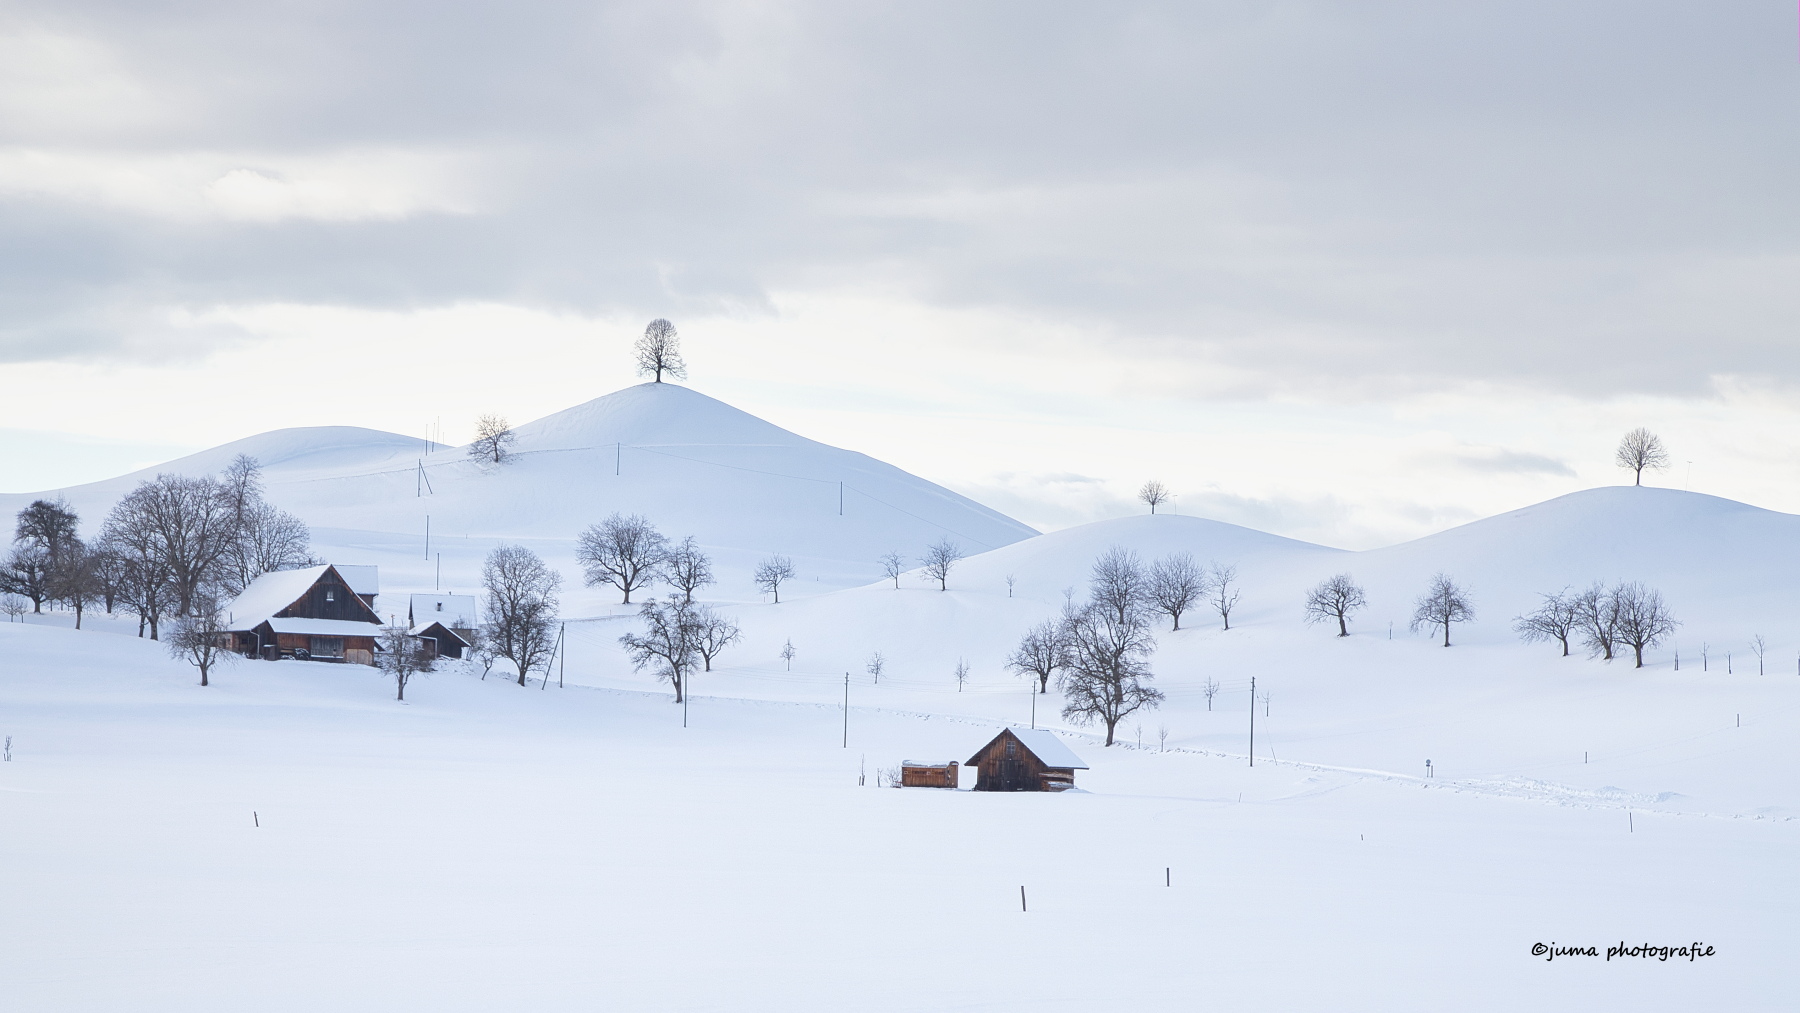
{"points": [[846, 710], [840, 499], [1032, 689], [562, 660], [618, 456], [687, 690], [427, 536], [437, 582], [1253, 721]]}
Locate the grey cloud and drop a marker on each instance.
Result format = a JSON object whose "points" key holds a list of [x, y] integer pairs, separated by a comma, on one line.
{"points": [[1336, 198]]}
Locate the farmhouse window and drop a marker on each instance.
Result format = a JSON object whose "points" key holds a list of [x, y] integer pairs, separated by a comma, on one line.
{"points": [[1012, 748], [331, 594], [328, 647]]}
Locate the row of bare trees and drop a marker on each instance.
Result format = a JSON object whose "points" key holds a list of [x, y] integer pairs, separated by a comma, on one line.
{"points": [[173, 547], [1603, 619]]}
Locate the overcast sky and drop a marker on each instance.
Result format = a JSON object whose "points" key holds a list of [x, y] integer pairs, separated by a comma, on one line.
{"points": [[1348, 271]]}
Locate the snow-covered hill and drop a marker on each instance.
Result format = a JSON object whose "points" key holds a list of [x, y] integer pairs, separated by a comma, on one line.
{"points": [[696, 466]]}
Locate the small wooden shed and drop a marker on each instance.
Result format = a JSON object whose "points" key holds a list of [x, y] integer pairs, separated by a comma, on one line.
{"points": [[914, 774], [1025, 759], [443, 641]]}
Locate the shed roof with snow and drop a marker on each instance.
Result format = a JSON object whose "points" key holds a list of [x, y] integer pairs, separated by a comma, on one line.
{"points": [[456, 611]]}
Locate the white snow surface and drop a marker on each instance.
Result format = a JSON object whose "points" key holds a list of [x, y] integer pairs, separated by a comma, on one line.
{"points": [[572, 846]]}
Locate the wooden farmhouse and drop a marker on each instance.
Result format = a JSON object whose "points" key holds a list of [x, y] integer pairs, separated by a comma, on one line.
{"points": [[310, 614], [1021, 759], [455, 611]]}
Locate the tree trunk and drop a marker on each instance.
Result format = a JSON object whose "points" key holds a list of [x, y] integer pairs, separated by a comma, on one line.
{"points": [[1343, 631], [1640, 654], [521, 673], [1446, 633]]}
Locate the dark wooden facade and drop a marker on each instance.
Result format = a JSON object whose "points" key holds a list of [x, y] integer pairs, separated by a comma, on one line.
{"points": [[1008, 764], [328, 597], [444, 642], [929, 775]]}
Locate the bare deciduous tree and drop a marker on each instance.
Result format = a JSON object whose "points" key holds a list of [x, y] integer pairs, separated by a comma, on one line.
{"points": [[1209, 689], [1106, 674], [1556, 618], [877, 664], [659, 351], [669, 643], [893, 565], [938, 560], [626, 552], [1642, 618], [401, 656], [1118, 583], [1039, 654], [1442, 603], [521, 606], [484, 649], [1153, 492], [186, 525], [788, 652], [771, 573], [1335, 598], [1758, 647], [717, 631], [686, 568], [1597, 616], [27, 572], [1223, 591], [13, 606], [1641, 449], [962, 674], [1177, 584], [199, 637], [493, 440], [268, 539]]}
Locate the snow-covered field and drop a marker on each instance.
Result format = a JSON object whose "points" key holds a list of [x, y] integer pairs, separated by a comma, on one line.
{"points": [[488, 846]]}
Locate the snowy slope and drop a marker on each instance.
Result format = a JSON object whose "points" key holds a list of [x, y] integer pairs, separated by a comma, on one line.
{"points": [[485, 846], [743, 487]]}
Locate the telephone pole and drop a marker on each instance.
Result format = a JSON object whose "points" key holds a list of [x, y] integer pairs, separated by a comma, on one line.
{"points": [[846, 710], [1253, 721]]}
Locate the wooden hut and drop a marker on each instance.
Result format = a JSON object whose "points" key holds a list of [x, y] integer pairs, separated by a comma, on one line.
{"points": [[311, 613], [914, 774], [1021, 759]]}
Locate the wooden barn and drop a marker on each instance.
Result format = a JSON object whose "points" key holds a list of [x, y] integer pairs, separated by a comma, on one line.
{"points": [[914, 774], [312, 613], [1021, 759], [441, 640]]}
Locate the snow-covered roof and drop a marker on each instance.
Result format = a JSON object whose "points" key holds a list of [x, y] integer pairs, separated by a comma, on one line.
{"points": [[325, 627], [455, 610], [269, 594], [1049, 748], [362, 578]]}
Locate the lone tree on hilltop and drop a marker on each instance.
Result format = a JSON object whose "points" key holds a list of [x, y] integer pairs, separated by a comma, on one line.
{"points": [[1641, 449], [938, 560], [624, 551], [659, 351], [1442, 603], [771, 573], [1335, 598], [1154, 492], [493, 440]]}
